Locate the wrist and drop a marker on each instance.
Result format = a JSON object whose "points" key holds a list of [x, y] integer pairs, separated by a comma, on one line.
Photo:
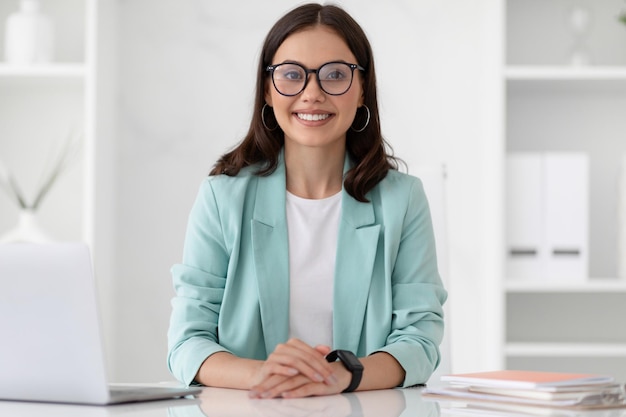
{"points": [[223, 369], [351, 363], [344, 377]]}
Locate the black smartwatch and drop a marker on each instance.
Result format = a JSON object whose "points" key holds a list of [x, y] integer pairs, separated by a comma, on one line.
{"points": [[351, 363]]}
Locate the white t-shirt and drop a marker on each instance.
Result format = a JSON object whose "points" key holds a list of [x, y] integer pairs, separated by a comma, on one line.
{"points": [[313, 227]]}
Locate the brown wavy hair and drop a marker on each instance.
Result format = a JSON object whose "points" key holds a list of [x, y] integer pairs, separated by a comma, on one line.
{"points": [[369, 151]]}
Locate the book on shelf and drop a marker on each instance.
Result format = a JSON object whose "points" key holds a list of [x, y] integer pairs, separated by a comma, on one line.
{"points": [[532, 388]]}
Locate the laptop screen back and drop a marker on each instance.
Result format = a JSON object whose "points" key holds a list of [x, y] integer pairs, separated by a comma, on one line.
{"points": [[50, 347]]}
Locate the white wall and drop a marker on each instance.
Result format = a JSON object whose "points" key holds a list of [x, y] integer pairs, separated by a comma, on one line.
{"points": [[186, 73]]}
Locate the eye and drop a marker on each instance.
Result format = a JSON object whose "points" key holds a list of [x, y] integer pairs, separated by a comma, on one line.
{"points": [[335, 72], [290, 73], [335, 75]]}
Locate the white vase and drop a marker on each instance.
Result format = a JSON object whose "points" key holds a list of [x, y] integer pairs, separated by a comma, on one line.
{"points": [[27, 230], [580, 21], [29, 37]]}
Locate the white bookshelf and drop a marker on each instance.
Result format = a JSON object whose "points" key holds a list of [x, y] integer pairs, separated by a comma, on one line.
{"points": [[552, 105], [41, 104]]}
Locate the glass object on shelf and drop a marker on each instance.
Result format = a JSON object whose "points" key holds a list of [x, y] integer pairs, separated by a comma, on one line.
{"points": [[29, 37], [579, 20], [27, 230]]}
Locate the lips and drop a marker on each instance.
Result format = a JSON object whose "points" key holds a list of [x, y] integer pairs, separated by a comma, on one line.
{"points": [[313, 117]]}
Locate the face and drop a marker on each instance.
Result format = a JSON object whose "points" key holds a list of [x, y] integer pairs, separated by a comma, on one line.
{"points": [[314, 118]]}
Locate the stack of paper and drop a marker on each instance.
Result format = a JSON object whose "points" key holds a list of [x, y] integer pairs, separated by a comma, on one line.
{"points": [[546, 389]]}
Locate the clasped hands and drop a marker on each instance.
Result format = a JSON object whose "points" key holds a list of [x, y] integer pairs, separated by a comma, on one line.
{"points": [[296, 369]]}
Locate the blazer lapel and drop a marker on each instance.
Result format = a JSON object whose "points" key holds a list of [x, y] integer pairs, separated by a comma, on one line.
{"points": [[271, 256], [356, 252]]}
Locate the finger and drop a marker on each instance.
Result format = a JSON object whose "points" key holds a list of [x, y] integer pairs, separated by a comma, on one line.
{"points": [[323, 349], [263, 389], [286, 385], [270, 380], [271, 368], [290, 359], [277, 369], [310, 389], [305, 359]]}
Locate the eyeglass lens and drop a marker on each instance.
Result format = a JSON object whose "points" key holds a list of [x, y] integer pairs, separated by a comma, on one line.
{"points": [[335, 78]]}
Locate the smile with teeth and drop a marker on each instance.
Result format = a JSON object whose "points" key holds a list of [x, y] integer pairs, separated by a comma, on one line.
{"points": [[312, 117]]}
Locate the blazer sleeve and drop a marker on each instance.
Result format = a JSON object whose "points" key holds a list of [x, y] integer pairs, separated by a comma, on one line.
{"points": [[199, 283], [418, 294]]}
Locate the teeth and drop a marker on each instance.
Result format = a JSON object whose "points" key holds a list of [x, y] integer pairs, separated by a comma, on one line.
{"points": [[313, 117]]}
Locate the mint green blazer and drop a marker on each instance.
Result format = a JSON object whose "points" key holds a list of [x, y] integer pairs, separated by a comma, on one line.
{"points": [[232, 287]]}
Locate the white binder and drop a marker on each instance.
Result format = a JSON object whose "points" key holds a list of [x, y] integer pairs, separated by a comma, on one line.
{"points": [[524, 235], [566, 197], [547, 215]]}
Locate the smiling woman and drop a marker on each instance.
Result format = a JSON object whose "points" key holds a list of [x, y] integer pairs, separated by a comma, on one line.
{"points": [[308, 113], [309, 265], [364, 142]]}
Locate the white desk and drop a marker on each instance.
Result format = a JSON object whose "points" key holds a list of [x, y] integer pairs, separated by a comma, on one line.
{"points": [[216, 402]]}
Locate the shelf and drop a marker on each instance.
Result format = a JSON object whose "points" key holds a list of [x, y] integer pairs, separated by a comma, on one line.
{"points": [[563, 73], [69, 70], [526, 79], [565, 349], [593, 285]]}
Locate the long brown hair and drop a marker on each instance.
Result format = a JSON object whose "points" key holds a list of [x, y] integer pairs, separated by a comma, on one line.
{"points": [[368, 149]]}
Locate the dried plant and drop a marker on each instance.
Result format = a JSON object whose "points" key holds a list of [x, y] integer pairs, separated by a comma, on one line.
{"points": [[57, 164]]}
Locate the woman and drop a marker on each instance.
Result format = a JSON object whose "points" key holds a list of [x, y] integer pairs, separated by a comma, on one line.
{"points": [[309, 265]]}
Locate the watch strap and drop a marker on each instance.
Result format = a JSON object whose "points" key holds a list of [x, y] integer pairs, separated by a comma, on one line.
{"points": [[351, 363]]}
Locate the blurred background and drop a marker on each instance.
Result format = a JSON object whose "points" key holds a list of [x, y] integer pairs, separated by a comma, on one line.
{"points": [[148, 94]]}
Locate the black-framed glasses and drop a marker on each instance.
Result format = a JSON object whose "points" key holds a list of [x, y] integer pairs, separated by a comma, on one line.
{"points": [[334, 78]]}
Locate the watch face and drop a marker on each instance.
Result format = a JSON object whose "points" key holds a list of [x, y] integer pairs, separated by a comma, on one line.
{"points": [[351, 361]]}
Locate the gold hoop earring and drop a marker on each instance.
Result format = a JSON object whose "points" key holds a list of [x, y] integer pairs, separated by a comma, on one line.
{"points": [[367, 122], [263, 119]]}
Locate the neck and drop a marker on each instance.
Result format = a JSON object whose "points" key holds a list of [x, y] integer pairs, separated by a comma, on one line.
{"points": [[314, 173]]}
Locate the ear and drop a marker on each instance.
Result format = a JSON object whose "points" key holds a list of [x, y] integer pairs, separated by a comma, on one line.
{"points": [[362, 97], [268, 96]]}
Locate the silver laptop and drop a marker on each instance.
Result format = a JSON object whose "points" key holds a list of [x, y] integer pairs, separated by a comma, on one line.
{"points": [[50, 342]]}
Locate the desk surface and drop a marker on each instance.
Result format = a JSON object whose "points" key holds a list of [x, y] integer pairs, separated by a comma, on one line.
{"points": [[216, 402]]}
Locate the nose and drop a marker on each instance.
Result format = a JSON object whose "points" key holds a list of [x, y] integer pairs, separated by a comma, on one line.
{"points": [[312, 91]]}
